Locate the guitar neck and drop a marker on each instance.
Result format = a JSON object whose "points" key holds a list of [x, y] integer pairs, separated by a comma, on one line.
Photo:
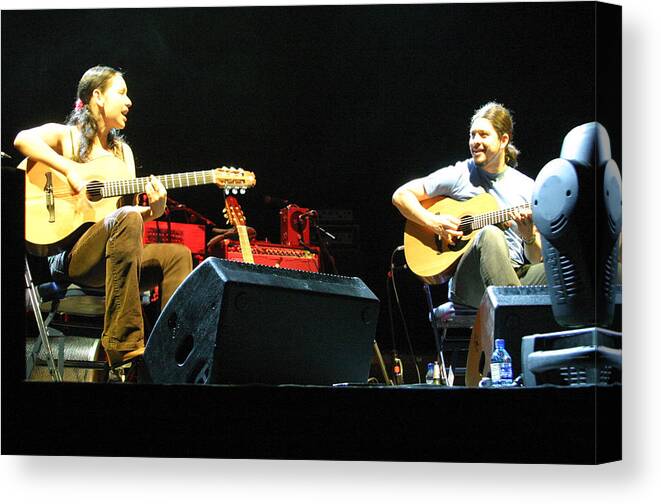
{"points": [[492, 218], [170, 181], [244, 242]]}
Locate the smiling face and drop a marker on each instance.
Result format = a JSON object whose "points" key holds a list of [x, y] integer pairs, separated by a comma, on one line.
{"points": [[113, 102], [486, 146]]}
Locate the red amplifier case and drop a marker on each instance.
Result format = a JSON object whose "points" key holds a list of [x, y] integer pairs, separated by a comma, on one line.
{"points": [[191, 235], [270, 254], [293, 227]]}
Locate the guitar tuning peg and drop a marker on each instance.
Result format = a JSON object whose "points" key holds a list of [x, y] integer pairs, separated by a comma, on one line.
{"points": [[227, 191], [234, 191], [242, 191]]}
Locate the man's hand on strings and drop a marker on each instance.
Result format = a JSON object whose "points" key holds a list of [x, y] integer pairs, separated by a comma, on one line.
{"points": [[445, 226], [523, 219]]}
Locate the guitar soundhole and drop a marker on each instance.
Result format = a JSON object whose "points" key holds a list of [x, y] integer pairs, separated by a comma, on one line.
{"points": [[93, 190], [466, 228], [456, 246]]}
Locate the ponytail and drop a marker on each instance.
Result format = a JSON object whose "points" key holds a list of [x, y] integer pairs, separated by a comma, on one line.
{"points": [[511, 155]]}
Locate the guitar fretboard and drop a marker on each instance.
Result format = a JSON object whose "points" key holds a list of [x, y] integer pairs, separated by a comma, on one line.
{"points": [[244, 242], [170, 181], [491, 218]]}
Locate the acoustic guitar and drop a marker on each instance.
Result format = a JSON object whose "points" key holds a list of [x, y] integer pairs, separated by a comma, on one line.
{"points": [[426, 253], [235, 218], [55, 217]]}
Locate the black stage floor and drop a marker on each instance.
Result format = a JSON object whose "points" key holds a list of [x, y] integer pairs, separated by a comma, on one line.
{"points": [[573, 425]]}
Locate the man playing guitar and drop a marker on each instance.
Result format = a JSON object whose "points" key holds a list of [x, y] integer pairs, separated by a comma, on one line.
{"points": [[110, 253], [493, 256]]}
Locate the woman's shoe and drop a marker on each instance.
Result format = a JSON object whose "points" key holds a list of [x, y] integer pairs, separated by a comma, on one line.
{"points": [[120, 364], [118, 358]]}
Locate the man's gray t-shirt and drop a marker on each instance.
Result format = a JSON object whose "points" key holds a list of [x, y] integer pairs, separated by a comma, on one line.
{"points": [[465, 180]]}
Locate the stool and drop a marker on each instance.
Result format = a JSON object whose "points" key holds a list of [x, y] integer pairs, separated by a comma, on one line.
{"points": [[73, 352], [446, 316]]}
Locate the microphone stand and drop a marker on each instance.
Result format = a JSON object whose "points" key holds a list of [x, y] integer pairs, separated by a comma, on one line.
{"points": [[397, 366], [323, 245], [180, 206]]}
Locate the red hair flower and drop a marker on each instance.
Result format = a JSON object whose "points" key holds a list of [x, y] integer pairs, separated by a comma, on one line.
{"points": [[78, 105]]}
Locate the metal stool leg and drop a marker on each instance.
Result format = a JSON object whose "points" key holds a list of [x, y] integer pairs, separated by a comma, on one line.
{"points": [[43, 330], [439, 340]]}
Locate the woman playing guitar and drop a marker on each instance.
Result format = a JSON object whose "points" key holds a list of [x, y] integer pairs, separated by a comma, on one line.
{"points": [[110, 252]]}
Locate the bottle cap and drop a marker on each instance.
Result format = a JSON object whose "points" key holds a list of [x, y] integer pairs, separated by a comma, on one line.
{"points": [[500, 344]]}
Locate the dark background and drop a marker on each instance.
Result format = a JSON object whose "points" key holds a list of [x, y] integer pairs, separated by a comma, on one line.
{"points": [[332, 107]]}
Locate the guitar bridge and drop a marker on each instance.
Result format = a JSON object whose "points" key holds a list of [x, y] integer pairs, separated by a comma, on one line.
{"points": [[50, 198]]}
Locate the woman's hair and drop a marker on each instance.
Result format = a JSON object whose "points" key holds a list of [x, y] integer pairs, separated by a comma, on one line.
{"points": [[97, 77], [501, 120]]}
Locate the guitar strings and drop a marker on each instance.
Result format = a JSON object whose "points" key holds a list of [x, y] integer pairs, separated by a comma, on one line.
{"points": [[468, 220], [99, 186], [173, 177], [138, 182], [230, 177]]}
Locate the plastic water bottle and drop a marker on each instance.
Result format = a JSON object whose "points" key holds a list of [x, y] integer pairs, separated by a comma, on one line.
{"points": [[429, 377], [437, 373], [501, 366]]}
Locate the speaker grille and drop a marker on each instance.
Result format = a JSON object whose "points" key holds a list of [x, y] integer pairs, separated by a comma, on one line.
{"points": [[572, 375], [565, 283], [558, 224], [570, 278], [612, 225], [610, 273]]}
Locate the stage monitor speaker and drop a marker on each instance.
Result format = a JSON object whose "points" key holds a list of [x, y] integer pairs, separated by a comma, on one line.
{"points": [[238, 323], [587, 356], [510, 313], [577, 208]]}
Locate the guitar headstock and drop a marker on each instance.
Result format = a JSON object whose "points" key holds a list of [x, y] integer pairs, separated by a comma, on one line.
{"points": [[234, 179], [233, 212]]}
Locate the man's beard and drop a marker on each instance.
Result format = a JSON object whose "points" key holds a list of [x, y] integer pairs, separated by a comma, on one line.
{"points": [[487, 160]]}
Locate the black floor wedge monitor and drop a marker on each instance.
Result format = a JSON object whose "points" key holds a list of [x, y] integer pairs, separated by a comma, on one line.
{"points": [[237, 323]]}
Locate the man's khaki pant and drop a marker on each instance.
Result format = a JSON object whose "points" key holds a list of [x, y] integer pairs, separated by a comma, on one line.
{"points": [[487, 262]]}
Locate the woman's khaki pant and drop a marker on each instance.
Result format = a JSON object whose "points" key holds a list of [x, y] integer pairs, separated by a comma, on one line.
{"points": [[111, 254]]}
